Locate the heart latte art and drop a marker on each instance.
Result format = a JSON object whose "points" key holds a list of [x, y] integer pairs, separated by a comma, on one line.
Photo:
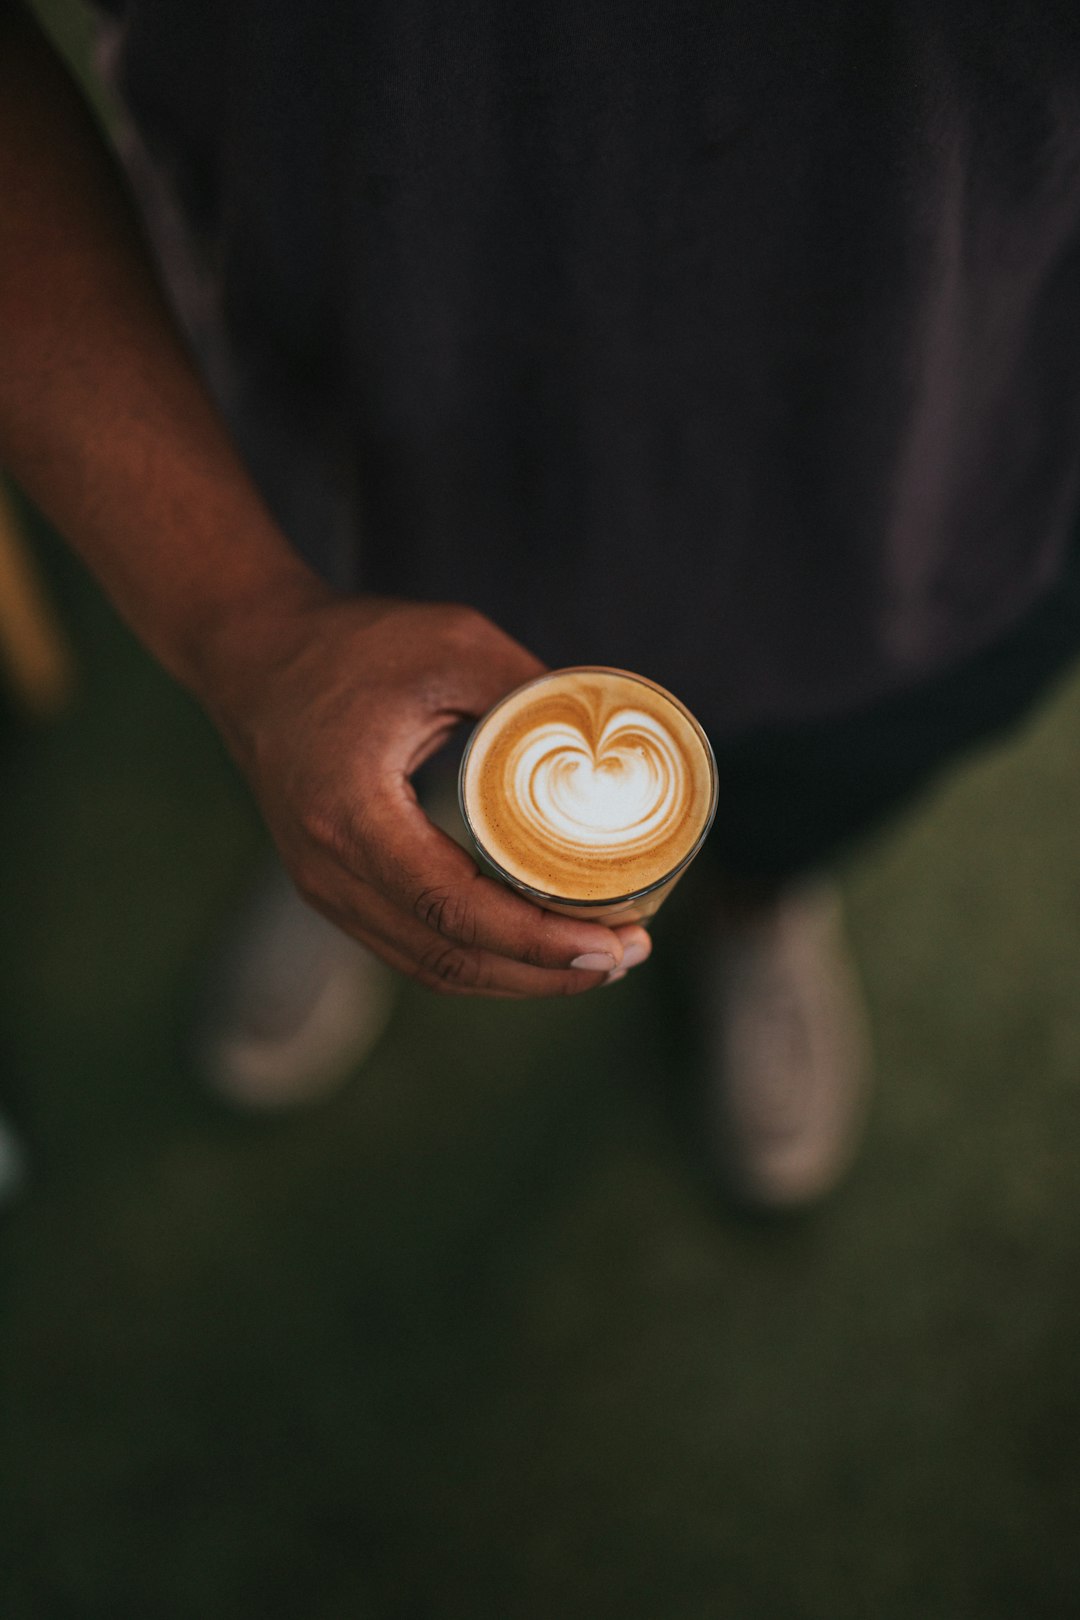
{"points": [[588, 784]]}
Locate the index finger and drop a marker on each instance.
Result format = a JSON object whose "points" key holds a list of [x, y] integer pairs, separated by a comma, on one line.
{"points": [[432, 878]]}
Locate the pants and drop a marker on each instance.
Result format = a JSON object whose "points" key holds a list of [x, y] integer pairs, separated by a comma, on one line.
{"points": [[794, 798]]}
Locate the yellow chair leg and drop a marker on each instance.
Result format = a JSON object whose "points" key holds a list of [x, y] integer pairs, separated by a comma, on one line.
{"points": [[36, 657]]}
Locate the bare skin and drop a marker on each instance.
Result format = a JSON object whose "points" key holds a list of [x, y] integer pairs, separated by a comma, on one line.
{"points": [[329, 704]]}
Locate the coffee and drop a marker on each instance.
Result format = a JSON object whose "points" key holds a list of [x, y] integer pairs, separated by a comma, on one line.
{"points": [[589, 786]]}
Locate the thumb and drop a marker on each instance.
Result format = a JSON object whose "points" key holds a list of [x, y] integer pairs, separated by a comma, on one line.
{"points": [[493, 665]]}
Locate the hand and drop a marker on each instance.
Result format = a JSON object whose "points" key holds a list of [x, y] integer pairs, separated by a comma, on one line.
{"points": [[330, 707]]}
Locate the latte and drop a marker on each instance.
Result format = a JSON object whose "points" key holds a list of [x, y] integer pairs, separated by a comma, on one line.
{"points": [[588, 785]]}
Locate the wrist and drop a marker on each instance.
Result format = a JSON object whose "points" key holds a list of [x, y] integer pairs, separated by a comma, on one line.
{"points": [[230, 648]]}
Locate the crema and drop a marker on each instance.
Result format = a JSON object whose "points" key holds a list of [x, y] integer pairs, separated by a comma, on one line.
{"points": [[588, 784]]}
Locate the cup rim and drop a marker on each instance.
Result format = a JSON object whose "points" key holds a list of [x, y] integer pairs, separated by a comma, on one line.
{"points": [[598, 900]]}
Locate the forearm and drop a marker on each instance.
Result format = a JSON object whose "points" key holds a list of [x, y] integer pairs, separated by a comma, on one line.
{"points": [[103, 418]]}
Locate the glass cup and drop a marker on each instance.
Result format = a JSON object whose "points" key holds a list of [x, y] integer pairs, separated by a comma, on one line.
{"points": [[638, 905]]}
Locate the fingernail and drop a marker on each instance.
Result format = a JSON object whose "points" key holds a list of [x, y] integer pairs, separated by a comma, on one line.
{"points": [[633, 954], [614, 976], [594, 962]]}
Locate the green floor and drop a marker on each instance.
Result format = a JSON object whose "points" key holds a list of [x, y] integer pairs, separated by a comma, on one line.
{"points": [[476, 1340]]}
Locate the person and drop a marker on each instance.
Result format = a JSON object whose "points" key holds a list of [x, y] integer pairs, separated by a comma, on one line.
{"points": [[730, 344]]}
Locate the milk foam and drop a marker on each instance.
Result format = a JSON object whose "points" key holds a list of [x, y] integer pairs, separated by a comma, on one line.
{"points": [[588, 783]]}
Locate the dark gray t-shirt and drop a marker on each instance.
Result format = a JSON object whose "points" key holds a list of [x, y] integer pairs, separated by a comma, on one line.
{"points": [[738, 343]]}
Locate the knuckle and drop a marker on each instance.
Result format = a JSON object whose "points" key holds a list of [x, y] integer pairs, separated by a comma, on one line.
{"points": [[535, 954], [327, 826], [448, 911], [441, 987], [430, 981], [344, 828], [449, 969], [316, 820]]}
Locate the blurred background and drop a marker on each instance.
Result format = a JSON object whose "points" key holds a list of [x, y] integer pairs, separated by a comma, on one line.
{"points": [[477, 1337]]}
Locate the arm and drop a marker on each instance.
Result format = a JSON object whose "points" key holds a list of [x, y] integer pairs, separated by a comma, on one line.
{"points": [[328, 705], [102, 416]]}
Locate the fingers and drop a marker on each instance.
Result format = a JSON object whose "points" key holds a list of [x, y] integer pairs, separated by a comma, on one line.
{"points": [[441, 963], [432, 880]]}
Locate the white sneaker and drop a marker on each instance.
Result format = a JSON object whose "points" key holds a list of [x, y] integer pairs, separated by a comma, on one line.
{"points": [[789, 1048], [293, 1005]]}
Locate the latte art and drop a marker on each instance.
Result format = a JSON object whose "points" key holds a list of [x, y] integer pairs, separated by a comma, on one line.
{"points": [[620, 792], [588, 784]]}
